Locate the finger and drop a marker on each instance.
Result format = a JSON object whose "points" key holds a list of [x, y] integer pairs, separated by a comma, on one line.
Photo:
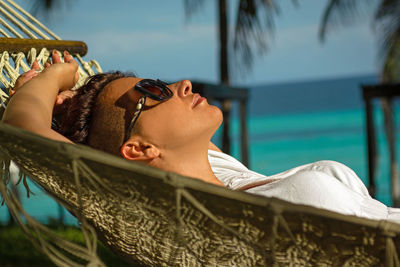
{"points": [[55, 57], [48, 63], [12, 92], [24, 79], [67, 57], [18, 83], [29, 74], [64, 95], [67, 94], [35, 65], [32, 76], [21, 80], [59, 100], [25, 74]]}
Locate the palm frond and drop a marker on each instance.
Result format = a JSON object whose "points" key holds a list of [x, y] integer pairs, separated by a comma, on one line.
{"points": [[254, 24], [191, 7], [391, 66], [387, 26], [342, 12], [45, 8], [386, 8]]}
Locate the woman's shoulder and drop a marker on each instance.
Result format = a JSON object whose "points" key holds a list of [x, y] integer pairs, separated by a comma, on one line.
{"points": [[231, 172], [222, 160]]}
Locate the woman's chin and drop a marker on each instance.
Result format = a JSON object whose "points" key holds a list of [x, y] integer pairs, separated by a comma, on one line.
{"points": [[218, 115]]}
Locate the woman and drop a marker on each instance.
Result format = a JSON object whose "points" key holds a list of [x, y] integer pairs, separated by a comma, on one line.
{"points": [[169, 127]]}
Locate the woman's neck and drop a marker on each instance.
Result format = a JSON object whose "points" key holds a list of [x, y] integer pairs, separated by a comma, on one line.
{"points": [[187, 163]]}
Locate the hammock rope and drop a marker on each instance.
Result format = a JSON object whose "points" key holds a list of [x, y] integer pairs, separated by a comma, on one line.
{"points": [[18, 24], [13, 65], [91, 244], [11, 29], [161, 218], [17, 18], [15, 15], [36, 231]]}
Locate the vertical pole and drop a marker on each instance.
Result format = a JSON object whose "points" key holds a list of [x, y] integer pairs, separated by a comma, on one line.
{"points": [[390, 135], [244, 136], [371, 146], [224, 73], [223, 42], [226, 139]]}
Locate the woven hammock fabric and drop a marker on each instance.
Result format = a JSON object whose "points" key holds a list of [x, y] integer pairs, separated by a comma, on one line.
{"points": [[161, 218]]}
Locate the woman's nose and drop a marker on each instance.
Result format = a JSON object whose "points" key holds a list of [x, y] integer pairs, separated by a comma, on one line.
{"points": [[185, 88]]}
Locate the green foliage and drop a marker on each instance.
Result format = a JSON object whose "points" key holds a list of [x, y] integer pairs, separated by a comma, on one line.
{"points": [[386, 23], [17, 250], [254, 26]]}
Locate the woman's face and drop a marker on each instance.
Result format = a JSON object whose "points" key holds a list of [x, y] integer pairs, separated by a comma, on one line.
{"points": [[179, 121]]}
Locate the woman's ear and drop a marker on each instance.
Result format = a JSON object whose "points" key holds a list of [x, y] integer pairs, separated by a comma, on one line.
{"points": [[137, 150]]}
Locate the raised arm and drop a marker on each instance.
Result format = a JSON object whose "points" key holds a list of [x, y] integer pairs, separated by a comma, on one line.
{"points": [[31, 107]]}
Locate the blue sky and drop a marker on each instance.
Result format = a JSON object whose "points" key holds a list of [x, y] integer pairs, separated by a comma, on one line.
{"points": [[154, 39]]}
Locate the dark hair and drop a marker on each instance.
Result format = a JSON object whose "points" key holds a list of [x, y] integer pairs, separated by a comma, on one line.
{"points": [[76, 123]]}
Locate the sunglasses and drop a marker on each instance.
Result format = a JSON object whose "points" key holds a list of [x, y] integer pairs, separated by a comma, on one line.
{"points": [[154, 89]]}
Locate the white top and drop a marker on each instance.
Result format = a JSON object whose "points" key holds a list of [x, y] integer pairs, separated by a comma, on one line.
{"points": [[324, 184]]}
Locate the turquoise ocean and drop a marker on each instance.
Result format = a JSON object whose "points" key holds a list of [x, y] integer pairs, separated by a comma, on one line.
{"points": [[289, 124]]}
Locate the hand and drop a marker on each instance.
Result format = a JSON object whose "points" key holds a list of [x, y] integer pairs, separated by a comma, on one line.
{"points": [[65, 73], [31, 107], [34, 71], [67, 94], [24, 77], [64, 97]]}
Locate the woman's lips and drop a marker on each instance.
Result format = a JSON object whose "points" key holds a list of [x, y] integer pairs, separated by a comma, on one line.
{"points": [[197, 99]]}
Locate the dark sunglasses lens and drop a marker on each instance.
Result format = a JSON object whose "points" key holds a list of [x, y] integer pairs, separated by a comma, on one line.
{"points": [[157, 88]]}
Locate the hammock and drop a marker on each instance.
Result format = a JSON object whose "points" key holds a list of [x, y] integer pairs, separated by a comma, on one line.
{"points": [[160, 218]]}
